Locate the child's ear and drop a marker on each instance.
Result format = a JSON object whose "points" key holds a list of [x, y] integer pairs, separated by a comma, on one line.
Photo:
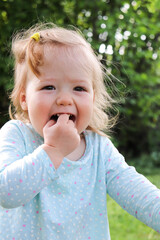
{"points": [[23, 101]]}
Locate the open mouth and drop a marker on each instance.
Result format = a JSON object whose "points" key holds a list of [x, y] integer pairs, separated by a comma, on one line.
{"points": [[56, 116]]}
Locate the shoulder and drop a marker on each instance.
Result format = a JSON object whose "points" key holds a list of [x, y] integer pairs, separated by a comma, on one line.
{"points": [[12, 132], [11, 123], [10, 126], [16, 129], [100, 143], [13, 126], [96, 138], [18, 135], [104, 147]]}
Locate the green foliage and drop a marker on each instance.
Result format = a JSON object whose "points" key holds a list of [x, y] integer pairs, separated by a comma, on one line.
{"points": [[126, 36]]}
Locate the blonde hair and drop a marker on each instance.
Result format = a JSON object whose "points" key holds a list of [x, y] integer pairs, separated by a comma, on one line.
{"points": [[28, 53]]}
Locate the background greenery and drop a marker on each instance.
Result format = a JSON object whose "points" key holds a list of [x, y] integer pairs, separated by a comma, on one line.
{"points": [[126, 36]]}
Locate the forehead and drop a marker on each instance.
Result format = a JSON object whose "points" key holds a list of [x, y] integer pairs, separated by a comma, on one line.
{"points": [[66, 59]]}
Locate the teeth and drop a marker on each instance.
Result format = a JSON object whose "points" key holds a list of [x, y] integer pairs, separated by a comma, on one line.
{"points": [[60, 114]]}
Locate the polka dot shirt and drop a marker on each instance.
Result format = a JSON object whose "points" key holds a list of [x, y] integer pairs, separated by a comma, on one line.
{"points": [[38, 202]]}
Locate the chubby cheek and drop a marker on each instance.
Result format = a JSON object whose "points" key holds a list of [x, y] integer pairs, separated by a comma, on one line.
{"points": [[37, 113], [84, 116]]}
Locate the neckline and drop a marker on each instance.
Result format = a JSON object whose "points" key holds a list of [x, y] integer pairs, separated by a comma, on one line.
{"points": [[80, 160]]}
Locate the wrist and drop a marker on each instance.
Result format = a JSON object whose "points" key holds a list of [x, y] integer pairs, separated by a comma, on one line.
{"points": [[55, 156]]}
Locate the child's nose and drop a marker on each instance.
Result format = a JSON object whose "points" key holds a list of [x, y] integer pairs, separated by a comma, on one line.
{"points": [[64, 99]]}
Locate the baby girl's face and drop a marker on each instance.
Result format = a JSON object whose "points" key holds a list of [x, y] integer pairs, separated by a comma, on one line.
{"points": [[64, 87]]}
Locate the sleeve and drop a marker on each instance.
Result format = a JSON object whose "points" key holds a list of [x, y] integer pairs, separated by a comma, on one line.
{"points": [[131, 190], [22, 176]]}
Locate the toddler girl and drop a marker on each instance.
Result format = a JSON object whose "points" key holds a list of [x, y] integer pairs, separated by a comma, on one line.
{"points": [[56, 165]]}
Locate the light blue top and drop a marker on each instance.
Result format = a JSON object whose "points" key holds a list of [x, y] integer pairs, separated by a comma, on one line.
{"points": [[41, 203]]}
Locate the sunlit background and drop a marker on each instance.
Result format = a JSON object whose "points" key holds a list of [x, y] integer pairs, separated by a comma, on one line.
{"points": [[126, 38]]}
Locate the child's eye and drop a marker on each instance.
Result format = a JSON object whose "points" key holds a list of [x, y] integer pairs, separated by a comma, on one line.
{"points": [[79, 89], [50, 87]]}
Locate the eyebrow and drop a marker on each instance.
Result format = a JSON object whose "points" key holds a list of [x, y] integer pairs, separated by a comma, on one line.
{"points": [[72, 80]]}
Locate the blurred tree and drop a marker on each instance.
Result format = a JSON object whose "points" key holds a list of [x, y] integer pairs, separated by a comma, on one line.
{"points": [[126, 36]]}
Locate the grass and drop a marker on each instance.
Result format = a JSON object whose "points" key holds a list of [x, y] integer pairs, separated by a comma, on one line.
{"points": [[124, 226]]}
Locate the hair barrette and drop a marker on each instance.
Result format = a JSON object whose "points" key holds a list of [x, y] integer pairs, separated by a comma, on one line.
{"points": [[36, 36]]}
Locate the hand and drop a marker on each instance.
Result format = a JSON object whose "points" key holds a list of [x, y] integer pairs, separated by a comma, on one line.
{"points": [[60, 138]]}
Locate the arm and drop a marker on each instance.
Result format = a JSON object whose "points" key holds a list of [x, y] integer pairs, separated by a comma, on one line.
{"points": [[131, 190], [25, 171], [22, 174]]}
